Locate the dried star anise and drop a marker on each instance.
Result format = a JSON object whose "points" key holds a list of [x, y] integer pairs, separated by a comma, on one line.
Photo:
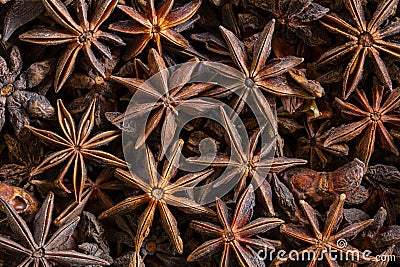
{"points": [[371, 119], [154, 24], [249, 162], [76, 147], [307, 183], [158, 98], [312, 145], [366, 39], [160, 192], [20, 103], [256, 75], [24, 157], [323, 242], [298, 16], [80, 36], [238, 234], [36, 247], [384, 181]]}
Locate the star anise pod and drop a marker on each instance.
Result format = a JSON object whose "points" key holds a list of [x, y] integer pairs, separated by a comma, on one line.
{"points": [[160, 192], [154, 24], [79, 36], [248, 162], [238, 234], [256, 75], [322, 242], [36, 248], [158, 100], [76, 148], [384, 182], [366, 39], [25, 158], [20, 103], [371, 119], [312, 145], [299, 17]]}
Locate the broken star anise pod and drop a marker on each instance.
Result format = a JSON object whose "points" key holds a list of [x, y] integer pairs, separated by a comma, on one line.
{"points": [[248, 162], [325, 241], [298, 16], [37, 249], [20, 103], [25, 157], [366, 39], [154, 24], [370, 122], [83, 35], [76, 148], [160, 192], [238, 234], [312, 145]]}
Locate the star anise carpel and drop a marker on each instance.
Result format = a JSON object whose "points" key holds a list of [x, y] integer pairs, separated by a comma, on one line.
{"points": [[160, 192], [154, 25], [238, 234], [37, 248], [82, 35], [366, 39], [371, 120], [325, 240], [76, 147]]}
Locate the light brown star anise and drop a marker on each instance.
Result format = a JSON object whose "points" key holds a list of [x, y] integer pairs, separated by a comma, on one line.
{"points": [[76, 147], [256, 75], [329, 242], [80, 36], [39, 250], [366, 39], [159, 192], [248, 162], [371, 121], [238, 234], [154, 24], [159, 101], [312, 145]]}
